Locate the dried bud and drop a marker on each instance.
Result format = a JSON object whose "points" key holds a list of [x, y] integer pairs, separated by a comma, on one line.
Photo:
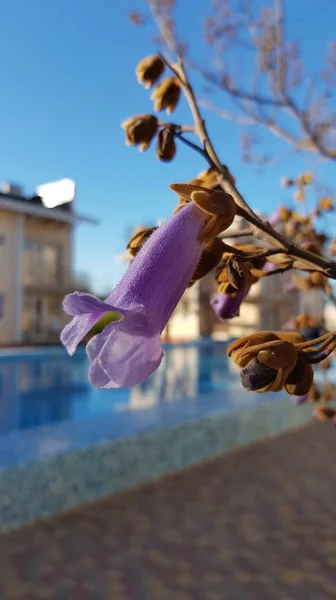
{"points": [[300, 380], [255, 376], [302, 283], [328, 392], [210, 258], [326, 204], [209, 179], [305, 178], [286, 182], [219, 207], [290, 228], [322, 238], [300, 237], [317, 279], [299, 195], [140, 130], [138, 239], [227, 289], [311, 247], [238, 273], [149, 70], [284, 213], [324, 413], [166, 147], [166, 95]]}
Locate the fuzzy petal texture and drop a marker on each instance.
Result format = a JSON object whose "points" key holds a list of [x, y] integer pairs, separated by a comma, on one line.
{"points": [[129, 350]]}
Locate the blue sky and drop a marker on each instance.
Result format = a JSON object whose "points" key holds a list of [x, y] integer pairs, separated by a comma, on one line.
{"points": [[67, 75]]}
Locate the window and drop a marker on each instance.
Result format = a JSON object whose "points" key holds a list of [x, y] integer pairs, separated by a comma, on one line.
{"points": [[42, 263]]}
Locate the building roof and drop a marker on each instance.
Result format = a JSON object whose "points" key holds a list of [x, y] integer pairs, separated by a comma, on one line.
{"points": [[34, 206]]}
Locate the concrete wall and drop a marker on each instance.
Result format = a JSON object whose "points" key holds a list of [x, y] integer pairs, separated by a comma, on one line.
{"points": [[16, 228], [51, 232]]}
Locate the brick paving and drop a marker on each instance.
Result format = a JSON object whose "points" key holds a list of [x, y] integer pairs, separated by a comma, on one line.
{"points": [[257, 524]]}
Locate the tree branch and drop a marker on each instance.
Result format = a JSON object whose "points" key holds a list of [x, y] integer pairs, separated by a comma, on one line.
{"points": [[243, 209]]}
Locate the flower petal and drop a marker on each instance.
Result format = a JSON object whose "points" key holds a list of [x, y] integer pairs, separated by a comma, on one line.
{"points": [[76, 330], [80, 303], [129, 354]]}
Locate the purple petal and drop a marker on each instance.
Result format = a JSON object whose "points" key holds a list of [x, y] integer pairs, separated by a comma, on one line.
{"points": [[226, 306], [79, 303], [76, 330], [300, 399], [130, 353]]}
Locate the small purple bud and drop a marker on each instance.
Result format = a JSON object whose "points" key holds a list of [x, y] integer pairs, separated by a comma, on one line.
{"points": [[226, 306], [300, 399]]}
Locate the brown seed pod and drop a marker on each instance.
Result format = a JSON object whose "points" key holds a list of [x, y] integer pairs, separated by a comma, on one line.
{"points": [[166, 95], [166, 147], [149, 70], [140, 130], [324, 413], [238, 273], [210, 258], [138, 239], [317, 279], [300, 380], [284, 213], [326, 204]]}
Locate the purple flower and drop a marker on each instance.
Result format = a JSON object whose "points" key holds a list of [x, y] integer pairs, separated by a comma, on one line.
{"points": [[300, 399], [226, 306], [129, 350]]}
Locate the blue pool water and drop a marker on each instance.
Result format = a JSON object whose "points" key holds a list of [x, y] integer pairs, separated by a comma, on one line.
{"points": [[43, 387]]}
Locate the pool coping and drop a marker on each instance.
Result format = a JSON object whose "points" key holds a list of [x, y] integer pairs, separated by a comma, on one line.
{"points": [[62, 482]]}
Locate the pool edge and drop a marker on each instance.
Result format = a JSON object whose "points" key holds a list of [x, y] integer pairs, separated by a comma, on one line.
{"points": [[40, 490]]}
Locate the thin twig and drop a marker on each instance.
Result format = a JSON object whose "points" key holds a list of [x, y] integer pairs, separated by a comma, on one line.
{"points": [[236, 234], [243, 209]]}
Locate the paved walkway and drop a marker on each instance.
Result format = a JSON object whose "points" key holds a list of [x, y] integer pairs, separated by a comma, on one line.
{"points": [[257, 524]]}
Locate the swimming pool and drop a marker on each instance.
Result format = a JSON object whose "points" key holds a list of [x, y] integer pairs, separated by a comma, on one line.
{"points": [[63, 443], [41, 387]]}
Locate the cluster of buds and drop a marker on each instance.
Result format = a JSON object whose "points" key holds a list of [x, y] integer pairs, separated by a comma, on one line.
{"points": [[142, 129], [308, 325], [272, 361], [240, 267], [299, 183], [322, 396], [314, 280], [219, 210]]}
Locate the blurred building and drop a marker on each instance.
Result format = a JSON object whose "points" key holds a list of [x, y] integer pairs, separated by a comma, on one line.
{"points": [[35, 266], [267, 306]]}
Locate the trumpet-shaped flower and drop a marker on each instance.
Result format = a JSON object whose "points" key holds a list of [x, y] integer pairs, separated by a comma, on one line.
{"points": [[127, 351]]}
